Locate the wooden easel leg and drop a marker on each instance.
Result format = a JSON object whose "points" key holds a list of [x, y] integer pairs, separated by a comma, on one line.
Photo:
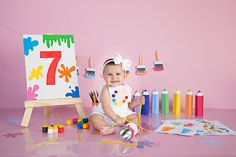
{"points": [[80, 110], [47, 111], [27, 115]]}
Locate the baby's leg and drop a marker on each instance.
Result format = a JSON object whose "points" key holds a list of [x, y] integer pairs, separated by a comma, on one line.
{"points": [[99, 123], [133, 118]]}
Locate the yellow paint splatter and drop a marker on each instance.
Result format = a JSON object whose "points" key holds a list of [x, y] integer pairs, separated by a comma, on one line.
{"points": [[36, 73]]}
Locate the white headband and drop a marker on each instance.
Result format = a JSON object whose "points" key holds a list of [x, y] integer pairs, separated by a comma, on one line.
{"points": [[117, 59]]}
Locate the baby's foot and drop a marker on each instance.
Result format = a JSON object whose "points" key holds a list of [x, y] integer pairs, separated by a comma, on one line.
{"points": [[140, 130], [107, 130]]}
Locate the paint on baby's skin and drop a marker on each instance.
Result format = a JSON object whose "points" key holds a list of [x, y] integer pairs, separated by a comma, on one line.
{"points": [[51, 39]]}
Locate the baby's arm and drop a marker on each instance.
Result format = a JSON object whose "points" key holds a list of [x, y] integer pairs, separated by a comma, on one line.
{"points": [[106, 106], [137, 102]]}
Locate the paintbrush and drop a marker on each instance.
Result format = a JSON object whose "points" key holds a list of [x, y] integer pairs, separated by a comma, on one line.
{"points": [[90, 72], [158, 64], [139, 115], [94, 97], [119, 142], [140, 69]]}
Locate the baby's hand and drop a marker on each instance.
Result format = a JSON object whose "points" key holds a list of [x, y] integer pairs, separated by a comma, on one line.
{"points": [[141, 100]]}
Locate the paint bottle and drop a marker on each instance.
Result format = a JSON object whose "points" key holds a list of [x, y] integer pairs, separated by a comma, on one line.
{"points": [[155, 102], [176, 102], [165, 101], [145, 107], [199, 104], [128, 131], [189, 103], [136, 97]]}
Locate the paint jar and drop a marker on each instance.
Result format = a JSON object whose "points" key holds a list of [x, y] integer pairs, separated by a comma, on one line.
{"points": [[176, 102], [50, 129], [60, 129], [189, 103], [128, 131], [145, 106], [155, 102], [45, 128], [55, 129], [199, 104], [136, 97], [165, 102]]}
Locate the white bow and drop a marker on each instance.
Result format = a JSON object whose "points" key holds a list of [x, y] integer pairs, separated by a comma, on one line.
{"points": [[126, 63]]}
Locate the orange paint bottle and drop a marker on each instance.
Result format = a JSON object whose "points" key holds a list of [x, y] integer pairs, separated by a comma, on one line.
{"points": [[189, 103]]}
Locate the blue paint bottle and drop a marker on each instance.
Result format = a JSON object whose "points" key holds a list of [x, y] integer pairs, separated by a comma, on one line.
{"points": [[145, 107], [155, 102]]}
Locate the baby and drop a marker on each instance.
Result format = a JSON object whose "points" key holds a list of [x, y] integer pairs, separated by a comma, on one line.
{"points": [[116, 102]]}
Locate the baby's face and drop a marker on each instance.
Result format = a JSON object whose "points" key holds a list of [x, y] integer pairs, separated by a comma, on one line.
{"points": [[114, 75]]}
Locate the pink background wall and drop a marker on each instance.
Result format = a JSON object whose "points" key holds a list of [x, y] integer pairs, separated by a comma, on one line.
{"points": [[196, 40]]}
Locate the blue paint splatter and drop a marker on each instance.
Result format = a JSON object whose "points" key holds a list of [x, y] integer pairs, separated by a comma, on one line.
{"points": [[185, 131], [29, 45], [73, 93], [142, 144], [14, 121], [211, 142]]}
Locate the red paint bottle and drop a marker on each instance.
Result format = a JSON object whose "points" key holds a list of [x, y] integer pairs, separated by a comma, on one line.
{"points": [[199, 99]]}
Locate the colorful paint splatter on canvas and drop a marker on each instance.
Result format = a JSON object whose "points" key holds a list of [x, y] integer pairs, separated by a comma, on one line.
{"points": [[50, 66]]}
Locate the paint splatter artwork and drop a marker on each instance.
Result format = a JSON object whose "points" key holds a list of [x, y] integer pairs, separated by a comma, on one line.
{"points": [[190, 127], [179, 127], [50, 67], [213, 128]]}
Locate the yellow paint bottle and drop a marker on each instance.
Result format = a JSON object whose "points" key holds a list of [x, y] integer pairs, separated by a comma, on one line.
{"points": [[189, 103], [176, 103]]}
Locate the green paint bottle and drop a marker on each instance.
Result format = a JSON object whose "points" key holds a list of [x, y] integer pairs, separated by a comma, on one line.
{"points": [[165, 101]]}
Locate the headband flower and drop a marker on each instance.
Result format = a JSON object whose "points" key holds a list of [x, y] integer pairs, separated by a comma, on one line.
{"points": [[126, 63]]}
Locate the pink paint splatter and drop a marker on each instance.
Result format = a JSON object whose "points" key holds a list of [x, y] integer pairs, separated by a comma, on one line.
{"points": [[13, 135], [31, 95]]}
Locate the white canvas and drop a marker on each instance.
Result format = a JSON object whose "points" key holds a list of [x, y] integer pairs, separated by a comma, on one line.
{"points": [[39, 85]]}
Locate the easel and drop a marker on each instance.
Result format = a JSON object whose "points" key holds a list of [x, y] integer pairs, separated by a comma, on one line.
{"points": [[29, 105]]}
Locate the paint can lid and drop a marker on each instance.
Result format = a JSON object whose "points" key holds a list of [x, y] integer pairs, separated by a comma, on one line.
{"points": [[199, 93], [164, 91], [145, 92], [155, 92], [136, 94], [189, 92], [177, 91]]}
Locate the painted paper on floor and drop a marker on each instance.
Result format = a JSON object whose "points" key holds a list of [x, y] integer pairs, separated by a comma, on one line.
{"points": [[194, 127]]}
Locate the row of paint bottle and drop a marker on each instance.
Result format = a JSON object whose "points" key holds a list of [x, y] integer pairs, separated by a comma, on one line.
{"points": [[199, 99]]}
